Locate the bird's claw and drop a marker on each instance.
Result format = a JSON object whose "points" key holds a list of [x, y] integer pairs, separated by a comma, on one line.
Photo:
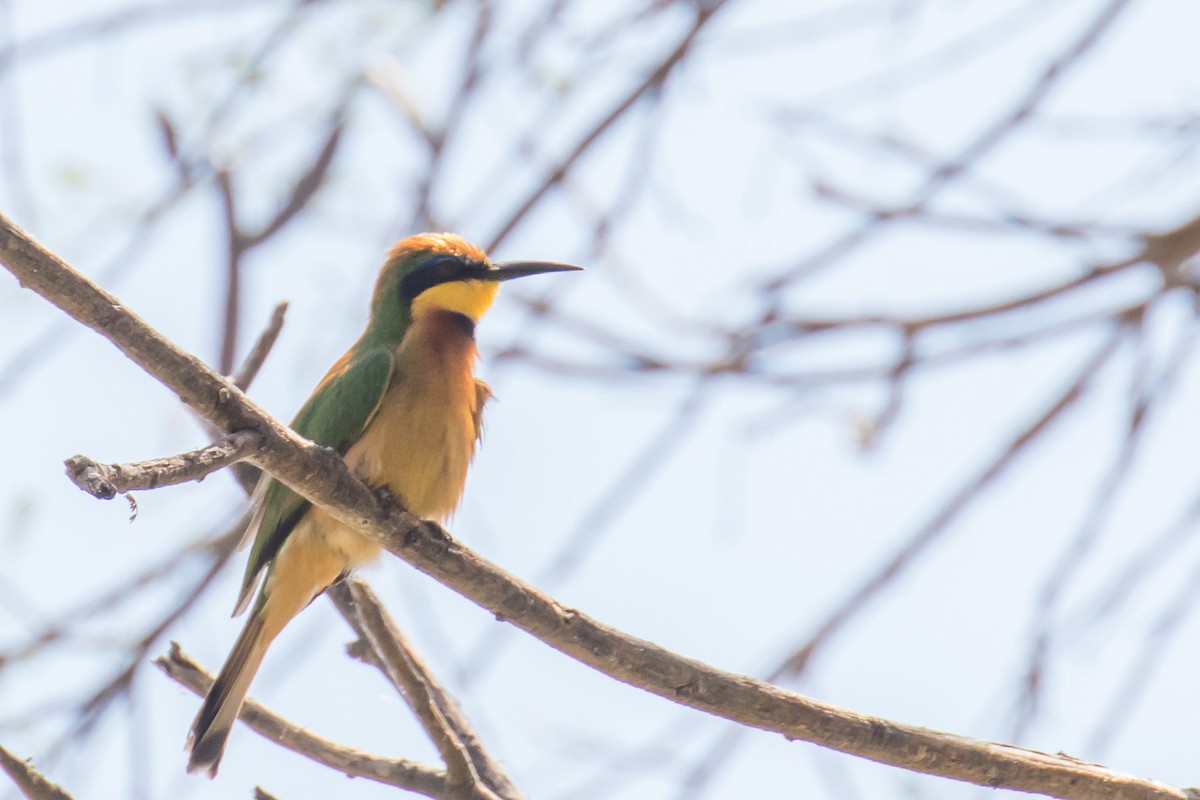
{"points": [[388, 499]]}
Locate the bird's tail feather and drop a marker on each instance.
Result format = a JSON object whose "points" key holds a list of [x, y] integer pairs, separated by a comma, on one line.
{"points": [[212, 725], [305, 566]]}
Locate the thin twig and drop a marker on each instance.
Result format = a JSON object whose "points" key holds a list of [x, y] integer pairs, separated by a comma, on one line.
{"points": [[241, 241], [570, 555], [106, 481], [1168, 251], [235, 248], [904, 557], [1025, 107], [988, 140], [120, 684], [29, 781], [704, 13], [68, 621], [971, 489], [305, 186], [262, 348], [246, 474]]}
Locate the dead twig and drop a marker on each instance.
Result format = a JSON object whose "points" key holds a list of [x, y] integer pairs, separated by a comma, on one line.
{"points": [[654, 80], [242, 241], [106, 481], [247, 475], [29, 781], [262, 348], [1169, 251]]}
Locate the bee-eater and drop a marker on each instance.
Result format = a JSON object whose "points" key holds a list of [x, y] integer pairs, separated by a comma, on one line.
{"points": [[404, 408]]}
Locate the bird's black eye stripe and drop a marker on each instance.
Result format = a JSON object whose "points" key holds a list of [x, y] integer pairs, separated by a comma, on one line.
{"points": [[441, 269]]}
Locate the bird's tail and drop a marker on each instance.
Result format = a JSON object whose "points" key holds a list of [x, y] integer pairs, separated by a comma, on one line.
{"points": [[305, 566], [212, 725]]}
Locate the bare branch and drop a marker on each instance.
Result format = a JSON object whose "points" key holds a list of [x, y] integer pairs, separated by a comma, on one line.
{"points": [[999, 131], [570, 554], [469, 768], [235, 248], [120, 684], [1025, 107], [29, 781], [655, 79], [939, 523], [303, 189], [262, 348], [106, 481], [67, 622], [914, 547], [241, 241], [400, 773], [1168, 251], [247, 475]]}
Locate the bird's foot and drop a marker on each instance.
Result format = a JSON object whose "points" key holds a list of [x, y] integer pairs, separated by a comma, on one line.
{"points": [[388, 499], [327, 451]]}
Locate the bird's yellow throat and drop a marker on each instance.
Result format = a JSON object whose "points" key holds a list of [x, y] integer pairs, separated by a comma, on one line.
{"points": [[470, 298]]}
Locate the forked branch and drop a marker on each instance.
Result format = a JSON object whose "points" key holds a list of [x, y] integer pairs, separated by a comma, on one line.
{"points": [[470, 770]]}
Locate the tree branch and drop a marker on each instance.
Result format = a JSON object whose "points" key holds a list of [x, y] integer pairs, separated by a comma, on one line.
{"points": [[1169, 251], [323, 478], [469, 768], [656, 78], [247, 475], [29, 781], [400, 773], [106, 481], [262, 348]]}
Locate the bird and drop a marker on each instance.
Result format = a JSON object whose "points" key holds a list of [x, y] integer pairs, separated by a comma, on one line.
{"points": [[405, 410]]}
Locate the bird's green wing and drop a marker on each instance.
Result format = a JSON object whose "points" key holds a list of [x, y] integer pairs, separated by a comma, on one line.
{"points": [[340, 409]]}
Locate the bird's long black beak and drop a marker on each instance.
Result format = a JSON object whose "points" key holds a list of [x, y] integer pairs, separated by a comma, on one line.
{"points": [[507, 270]]}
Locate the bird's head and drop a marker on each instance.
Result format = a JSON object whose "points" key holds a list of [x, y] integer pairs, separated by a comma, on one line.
{"points": [[441, 271]]}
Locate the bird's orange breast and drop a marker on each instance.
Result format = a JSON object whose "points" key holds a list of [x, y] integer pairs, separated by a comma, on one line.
{"points": [[422, 439]]}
